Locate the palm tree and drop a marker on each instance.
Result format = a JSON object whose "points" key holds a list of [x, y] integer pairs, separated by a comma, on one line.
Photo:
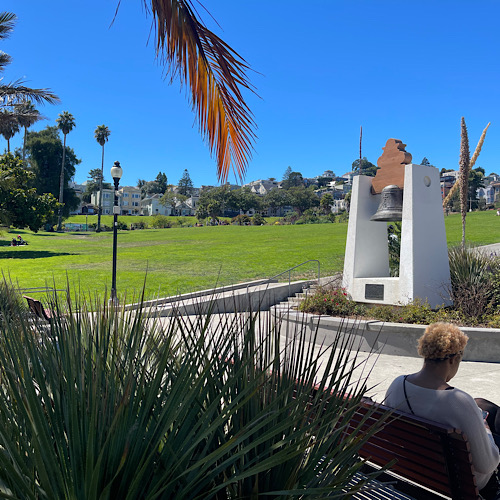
{"points": [[16, 92], [66, 123], [27, 115], [215, 74], [9, 126], [101, 135]]}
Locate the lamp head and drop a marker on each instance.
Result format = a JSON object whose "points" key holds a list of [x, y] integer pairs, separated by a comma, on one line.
{"points": [[116, 171]]}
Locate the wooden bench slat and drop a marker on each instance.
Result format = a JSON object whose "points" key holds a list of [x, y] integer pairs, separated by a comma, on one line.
{"points": [[427, 453]]}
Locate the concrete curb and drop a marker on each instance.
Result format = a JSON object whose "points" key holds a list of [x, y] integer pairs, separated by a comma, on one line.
{"points": [[397, 339]]}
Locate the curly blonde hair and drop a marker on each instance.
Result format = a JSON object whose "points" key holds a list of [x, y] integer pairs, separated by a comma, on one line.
{"points": [[441, 341]]}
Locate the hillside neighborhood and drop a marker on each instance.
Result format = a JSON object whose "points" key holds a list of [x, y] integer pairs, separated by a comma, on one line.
{"points": [[134, 200]]}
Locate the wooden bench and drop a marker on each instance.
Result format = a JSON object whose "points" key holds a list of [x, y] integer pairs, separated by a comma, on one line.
{"points": [[430, 458], [37, 309]]}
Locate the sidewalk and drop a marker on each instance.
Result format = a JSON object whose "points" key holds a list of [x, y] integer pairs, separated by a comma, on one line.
{"points": [[477, 379]]}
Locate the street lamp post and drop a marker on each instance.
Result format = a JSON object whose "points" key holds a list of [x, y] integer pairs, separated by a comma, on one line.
{"points": [[116, 174]]}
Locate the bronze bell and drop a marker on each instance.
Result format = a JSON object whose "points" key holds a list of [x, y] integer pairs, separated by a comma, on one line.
{"points": [[391, 205]]}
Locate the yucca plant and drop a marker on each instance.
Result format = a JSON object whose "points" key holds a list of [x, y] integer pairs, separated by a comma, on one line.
{"points": [[105, 403], [472, 289]]}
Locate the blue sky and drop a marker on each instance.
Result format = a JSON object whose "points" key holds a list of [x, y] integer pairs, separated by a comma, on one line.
{"points": [[407, 70]]}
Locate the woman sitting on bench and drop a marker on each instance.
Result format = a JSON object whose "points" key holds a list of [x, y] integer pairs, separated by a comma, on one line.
{"points": [[427, 394]]}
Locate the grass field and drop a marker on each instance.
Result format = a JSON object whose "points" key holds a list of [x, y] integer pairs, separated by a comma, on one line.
{"points": [[187, 259]]}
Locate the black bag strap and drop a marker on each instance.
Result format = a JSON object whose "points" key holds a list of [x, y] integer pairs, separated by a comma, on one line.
{"points": [[406, 396]]}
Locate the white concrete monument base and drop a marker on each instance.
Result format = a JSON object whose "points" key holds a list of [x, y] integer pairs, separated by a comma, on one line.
{"points": [[424, 268]]}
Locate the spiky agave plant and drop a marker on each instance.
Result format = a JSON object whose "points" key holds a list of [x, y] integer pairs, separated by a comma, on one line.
{"points": [[105, 403]]}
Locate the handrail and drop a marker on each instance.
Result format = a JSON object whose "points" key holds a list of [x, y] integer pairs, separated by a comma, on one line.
{"points": [[39, 289], [289, 271]]}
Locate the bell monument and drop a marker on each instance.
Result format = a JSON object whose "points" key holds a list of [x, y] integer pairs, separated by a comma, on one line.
{"points": [[400, 191]]}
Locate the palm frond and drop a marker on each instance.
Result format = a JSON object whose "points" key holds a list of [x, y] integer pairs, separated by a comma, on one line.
{"points": [[5, 60], [16, 92], [215, 74], [7, 22], [27, 114]]}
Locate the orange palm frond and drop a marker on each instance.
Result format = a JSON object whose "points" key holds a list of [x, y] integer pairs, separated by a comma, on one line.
{"points": [[215, 74]]}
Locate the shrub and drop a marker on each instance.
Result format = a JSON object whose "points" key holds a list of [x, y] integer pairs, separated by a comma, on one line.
{"points": [[258, 220], [332, 302], [290, 218], [241, 220], [116, 404], [342, 216], [160, 222], [142, 224]]}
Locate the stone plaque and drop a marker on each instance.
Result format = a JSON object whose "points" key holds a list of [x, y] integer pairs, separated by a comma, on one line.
{"points": [[374, 292]]}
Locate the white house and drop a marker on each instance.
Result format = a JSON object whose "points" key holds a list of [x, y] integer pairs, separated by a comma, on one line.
{"points": [[152, 206]]}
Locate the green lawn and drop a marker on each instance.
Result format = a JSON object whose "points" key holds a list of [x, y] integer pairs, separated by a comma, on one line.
{"points": [[186, 259]]}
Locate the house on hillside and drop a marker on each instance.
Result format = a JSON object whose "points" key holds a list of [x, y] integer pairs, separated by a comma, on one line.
{"points": [[447, 180], [184, 209], [79, 190], [152, 206], [107, 200], [262, 187], [129, 200], [487, 194], [130, 197], [496, 191]]}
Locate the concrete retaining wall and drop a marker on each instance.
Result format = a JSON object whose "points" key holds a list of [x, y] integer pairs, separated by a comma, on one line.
{"points": [[399, 339]]}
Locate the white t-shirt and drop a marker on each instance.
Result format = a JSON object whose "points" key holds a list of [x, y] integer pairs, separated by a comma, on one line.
{"points": [[455, 408]]}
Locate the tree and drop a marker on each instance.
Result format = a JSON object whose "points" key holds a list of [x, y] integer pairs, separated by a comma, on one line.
{"points": [[65, 123], [185, 184], [44, 152], [425, 161], [276, 198], [9, 126], [476, 181], [27, 115], [294, 179], [480, 169], [326, 203], [170, 198], [162, 182], [95, 183], [366, 168], [213, 201], [244, 200], [287, 173], [302, 198], [20, 205], [101, 134], [324, 181]]}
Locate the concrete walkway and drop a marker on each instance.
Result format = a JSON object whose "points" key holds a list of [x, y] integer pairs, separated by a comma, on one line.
{"points": [[379, 370], [480, 380]]}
